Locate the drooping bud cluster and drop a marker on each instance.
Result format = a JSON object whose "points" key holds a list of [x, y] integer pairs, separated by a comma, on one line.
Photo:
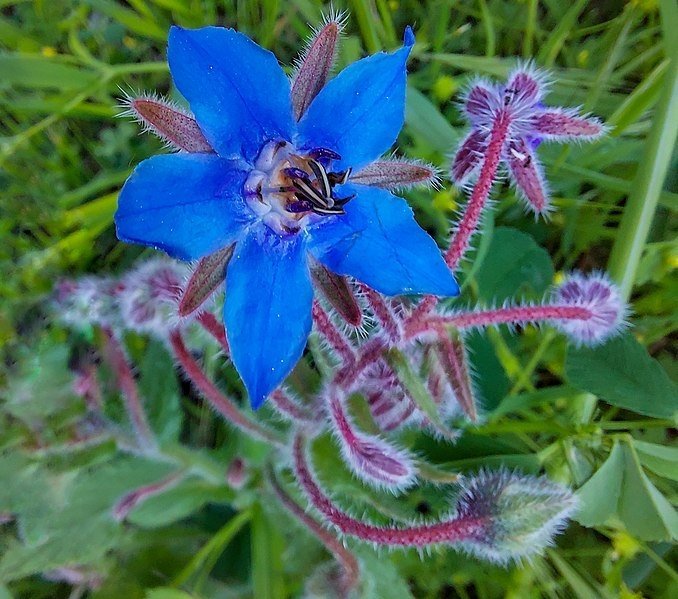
{"points": [[88, 301], [144, 300]]}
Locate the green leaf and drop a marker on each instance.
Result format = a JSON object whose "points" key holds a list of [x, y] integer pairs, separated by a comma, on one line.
{"points": [[267, 547], [624, 375], [66, 518], [599, 496], [166, 593], [177, 503], [515, 266], [658, 458], [379, 577], [620, 488], [38, 72], [424, 120], [644, 510], [213, 548], [160, 390]]}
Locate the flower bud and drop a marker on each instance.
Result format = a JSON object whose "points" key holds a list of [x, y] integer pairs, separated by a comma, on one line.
{"points": [[373, 460], [519, 514], [152, 291], [600, 297]]}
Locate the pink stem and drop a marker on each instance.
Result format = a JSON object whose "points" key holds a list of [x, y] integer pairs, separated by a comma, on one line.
{"points": [[134, 498], [214, 396], [115, 355], [512, 315], [461, 238], [332, 334], [210, 323], [347, 560], [383, 313], [291, 408], [368, 355], [481, 191], [449, 531]]}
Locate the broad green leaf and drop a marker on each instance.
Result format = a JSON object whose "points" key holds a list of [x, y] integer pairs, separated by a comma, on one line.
{"points": [[620, 488], [177, 503], [660, 459], [644, 510], [515, 267], [379, 577], [66, 518], [38, 72], [160, 391], [599, 496], [624, 375]]}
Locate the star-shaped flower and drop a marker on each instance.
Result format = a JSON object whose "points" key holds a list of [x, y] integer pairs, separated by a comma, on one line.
{"points": [[268, 170], [516, 109]]}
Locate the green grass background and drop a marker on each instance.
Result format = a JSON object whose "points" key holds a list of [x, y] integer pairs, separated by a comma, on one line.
{"points": [[603, 421]]}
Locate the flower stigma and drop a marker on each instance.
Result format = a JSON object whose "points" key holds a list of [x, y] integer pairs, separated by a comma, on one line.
{"points": [[289, 189]]}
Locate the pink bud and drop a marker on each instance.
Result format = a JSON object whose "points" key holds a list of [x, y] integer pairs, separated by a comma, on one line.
{"points": [[237, 474], [390, 407], [151, 298], [373, 460], [338, 292], [600, 297]]}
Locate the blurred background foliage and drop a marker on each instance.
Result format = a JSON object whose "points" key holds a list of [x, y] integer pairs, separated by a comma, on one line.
{"points": [[599, 420]]}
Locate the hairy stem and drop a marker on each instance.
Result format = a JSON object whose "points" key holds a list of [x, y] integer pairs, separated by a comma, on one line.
{"points": [[480, 194], [447, 531], [332, 334], [214, 396], [115, 356], [347, 560], [485, 318]]}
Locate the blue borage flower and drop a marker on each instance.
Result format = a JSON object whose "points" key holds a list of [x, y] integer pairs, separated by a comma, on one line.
{"points": [[280, 190]]}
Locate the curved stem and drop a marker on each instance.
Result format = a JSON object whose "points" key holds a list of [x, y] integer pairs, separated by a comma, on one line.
{"points": [[347, 560], [115, 355], [447, 531], [214, 396]]}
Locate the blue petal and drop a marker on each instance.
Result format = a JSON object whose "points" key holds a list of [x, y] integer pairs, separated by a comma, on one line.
{"points": [[268, 309], [379, 243], [188, 205], [237, 91], [359, 113]]}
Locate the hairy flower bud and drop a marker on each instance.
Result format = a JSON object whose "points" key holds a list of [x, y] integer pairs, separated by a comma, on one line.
{"points": [[89, 300], [150, 301], [519, 514], [373, 460], [600, 297]]}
